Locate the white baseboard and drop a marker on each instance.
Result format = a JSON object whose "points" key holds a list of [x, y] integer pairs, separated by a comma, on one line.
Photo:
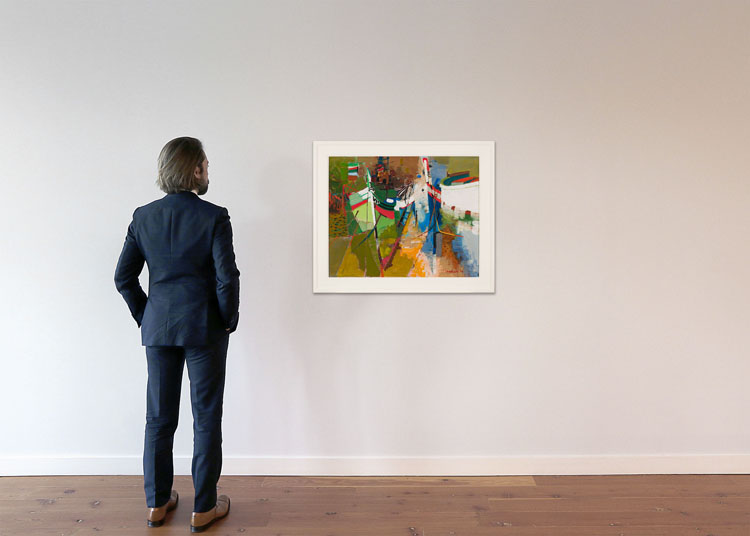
{"points": [[394, 466]]}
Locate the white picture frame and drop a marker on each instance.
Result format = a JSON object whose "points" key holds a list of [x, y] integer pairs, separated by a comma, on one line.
{"points": [[484, 282]]}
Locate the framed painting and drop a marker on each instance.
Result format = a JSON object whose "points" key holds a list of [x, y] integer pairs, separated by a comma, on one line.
{"points": [[403, 216]]}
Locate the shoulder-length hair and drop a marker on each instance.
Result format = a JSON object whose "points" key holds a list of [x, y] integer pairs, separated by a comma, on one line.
{"points": [[177, 162]]}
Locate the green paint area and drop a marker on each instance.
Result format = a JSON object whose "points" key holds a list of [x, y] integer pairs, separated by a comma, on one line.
{"points": [[366, 254], [387, 229], [385, 246], [351, 224], [336, 250], [362, 261], [338, 175], [384, 224], [449, 221], [363, 217], [468, 219], [337, 172]]}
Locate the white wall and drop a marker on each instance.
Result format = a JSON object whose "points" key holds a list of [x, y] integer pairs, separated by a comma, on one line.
{"points": [[619, 333]]}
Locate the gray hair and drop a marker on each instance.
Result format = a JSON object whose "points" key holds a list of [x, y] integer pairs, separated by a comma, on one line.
{"points": [[177, 162]]}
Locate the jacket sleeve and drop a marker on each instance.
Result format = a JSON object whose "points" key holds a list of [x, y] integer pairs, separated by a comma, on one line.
{"points": [[227, 274], [129, 267]]}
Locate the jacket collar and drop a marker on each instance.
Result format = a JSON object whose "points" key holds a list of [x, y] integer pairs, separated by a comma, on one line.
{"points": [[184, 192]]}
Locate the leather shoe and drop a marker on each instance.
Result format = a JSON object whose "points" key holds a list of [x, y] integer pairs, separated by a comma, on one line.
{"points": [[156, 515], [202, 520]]}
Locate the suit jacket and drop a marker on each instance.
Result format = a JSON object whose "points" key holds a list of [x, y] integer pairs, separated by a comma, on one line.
{"points": [[194, 284]]}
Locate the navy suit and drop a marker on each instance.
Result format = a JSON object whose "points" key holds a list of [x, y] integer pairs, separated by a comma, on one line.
{"points": [[191, 307]]}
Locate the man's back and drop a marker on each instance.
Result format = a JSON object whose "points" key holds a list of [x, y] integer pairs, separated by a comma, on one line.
{"points": [[193, 295]]}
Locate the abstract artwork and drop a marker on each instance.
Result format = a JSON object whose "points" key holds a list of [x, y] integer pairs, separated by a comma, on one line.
{"points": [[403, 217]]}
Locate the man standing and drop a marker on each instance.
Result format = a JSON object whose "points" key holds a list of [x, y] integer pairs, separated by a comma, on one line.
{"points": [[191, 308]]}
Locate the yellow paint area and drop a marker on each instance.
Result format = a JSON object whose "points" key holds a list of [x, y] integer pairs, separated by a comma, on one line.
{"points": [[350, 264]]}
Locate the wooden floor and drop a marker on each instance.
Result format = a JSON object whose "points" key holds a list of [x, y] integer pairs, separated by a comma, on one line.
{"points": [[632, 505]]}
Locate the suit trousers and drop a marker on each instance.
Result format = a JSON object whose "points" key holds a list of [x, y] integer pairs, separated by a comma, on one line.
{"points": [[207, 371]]}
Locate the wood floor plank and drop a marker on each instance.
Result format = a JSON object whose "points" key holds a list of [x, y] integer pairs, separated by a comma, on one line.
{"points": [[635, 480], [386, 522], [623, 504], [625, 490], [401, 481], [613, 517]]}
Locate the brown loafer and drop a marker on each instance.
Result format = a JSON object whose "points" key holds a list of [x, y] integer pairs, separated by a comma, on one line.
{"points": [[156, 515], [202, 520]]}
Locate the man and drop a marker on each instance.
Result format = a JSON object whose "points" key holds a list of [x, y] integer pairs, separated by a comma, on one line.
{"points": [[191, 308]]}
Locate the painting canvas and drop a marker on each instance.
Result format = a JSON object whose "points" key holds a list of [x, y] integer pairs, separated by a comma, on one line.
{"points": [[404, 217]]}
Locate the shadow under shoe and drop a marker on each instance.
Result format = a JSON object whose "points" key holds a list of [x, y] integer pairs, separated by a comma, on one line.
{"points": [[202, 520], [157, 515]]}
